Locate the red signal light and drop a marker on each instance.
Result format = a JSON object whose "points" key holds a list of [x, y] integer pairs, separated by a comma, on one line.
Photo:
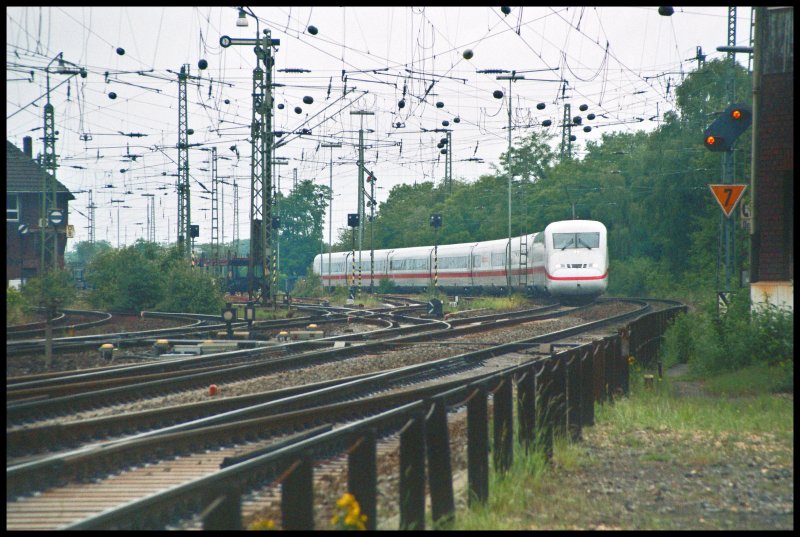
{"points": [[736, 114], [711, 140]]}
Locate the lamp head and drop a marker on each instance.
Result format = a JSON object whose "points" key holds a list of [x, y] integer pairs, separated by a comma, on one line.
{"points": [[242, 20]]}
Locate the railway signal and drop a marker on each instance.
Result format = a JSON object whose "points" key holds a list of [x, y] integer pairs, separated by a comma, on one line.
{"points": [[722, 133]]}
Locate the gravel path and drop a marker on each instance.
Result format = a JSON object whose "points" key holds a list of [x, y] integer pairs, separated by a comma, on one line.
{"points": [[661, 479]]}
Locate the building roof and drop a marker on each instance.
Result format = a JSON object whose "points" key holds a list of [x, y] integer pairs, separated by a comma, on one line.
{"points": [[23, 174]]}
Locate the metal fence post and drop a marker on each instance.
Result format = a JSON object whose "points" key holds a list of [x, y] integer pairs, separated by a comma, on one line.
{"points": [[362, 476], [544, 405], [599, 368], [440, 472], [477, 447], [224, 513], [587, 383], [560, 396], [526, 407], [297, 496], [573, 397], [412, 474], [503, 425]]}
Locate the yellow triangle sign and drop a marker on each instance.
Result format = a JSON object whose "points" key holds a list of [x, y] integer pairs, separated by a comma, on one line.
{"points": [[727, 196]]}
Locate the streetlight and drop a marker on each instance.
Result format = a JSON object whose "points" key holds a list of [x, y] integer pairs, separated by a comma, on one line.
{"points": [[262, 147], [49, 157], [330, 212]]}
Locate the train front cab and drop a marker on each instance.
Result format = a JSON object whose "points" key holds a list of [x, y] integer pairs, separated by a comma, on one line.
{"points": [[577, 259]]}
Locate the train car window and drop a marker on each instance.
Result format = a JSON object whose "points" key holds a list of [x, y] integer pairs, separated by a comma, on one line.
{"points": [[398, 264], [499, 259], [588, 240], [380, 266], [418, 264], [476, 261], [453, 262], [562, 241]]}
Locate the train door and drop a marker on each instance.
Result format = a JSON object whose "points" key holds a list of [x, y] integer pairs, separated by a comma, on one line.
{"points": [[474, 262]]}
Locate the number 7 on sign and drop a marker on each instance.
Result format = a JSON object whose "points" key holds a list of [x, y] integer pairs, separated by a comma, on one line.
{"points": [[727, 196]]}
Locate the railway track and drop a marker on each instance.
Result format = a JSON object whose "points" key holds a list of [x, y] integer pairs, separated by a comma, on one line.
{"points": [[66, 321], [45, 398], [225, 431]]}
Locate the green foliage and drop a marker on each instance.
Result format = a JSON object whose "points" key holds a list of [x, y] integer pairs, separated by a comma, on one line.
{"points": [[14, 307], [302, 215], [190, 290], [85, 251], [638, 276], [738, 339], [147, 276], [125, 279], [310, 286], [386, 286], [54, 289]]}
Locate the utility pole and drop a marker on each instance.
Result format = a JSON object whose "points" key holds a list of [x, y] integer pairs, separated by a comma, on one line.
{"points": [[49, 163], [184, 198], [235, 214], [91, 207], [150, 217], [117, 202], [728, 225], [449, 161], [275, 222], [214, 206], [261, 154], [372, 180], [566, 133], [361, 113], [510, 79], [330, 210], [445, 145]]}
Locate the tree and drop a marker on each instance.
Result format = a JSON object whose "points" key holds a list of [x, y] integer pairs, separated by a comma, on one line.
{"points": [[85, 251], [125, 279], [302, 214], [50, 291], [189, 290], [531, 159]]}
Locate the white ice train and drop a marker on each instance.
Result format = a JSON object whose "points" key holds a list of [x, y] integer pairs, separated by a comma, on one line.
{"points": [[568, 260]]}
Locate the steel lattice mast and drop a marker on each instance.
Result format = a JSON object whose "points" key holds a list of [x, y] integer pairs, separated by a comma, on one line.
{"points": [[184, 204], [214, 205]]}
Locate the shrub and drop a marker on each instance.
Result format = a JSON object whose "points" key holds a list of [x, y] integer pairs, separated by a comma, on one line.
{"points": [[14, 305], [190, 291], [742, 337], [53, 289], [386, 286], [310, 286]]}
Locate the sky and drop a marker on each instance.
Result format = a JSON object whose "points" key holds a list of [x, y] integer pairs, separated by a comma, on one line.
{"points": [[623, 63]]}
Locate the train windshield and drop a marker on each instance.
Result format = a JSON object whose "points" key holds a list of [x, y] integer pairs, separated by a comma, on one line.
{"points": [[562, 241]]}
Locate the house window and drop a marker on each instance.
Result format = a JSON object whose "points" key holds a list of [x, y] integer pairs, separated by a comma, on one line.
{"points": [[12, 208]]}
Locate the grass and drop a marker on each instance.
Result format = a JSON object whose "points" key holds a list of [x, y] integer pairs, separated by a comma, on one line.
{"points": [[753, 380], [652, 431]]}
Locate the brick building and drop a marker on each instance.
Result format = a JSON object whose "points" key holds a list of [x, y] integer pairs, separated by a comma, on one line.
{"points": [[772, 231], [24, 179]]}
